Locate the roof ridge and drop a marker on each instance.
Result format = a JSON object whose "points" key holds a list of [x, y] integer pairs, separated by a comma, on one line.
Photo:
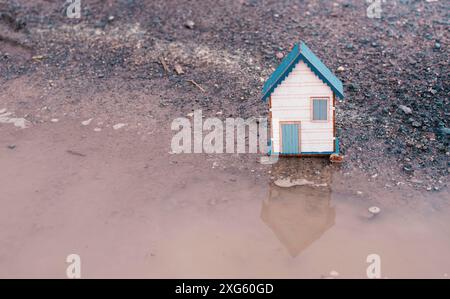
{"points": [[300, 51]]}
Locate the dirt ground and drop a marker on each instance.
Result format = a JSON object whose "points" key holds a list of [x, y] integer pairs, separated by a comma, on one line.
{"points": [[71, 183]]}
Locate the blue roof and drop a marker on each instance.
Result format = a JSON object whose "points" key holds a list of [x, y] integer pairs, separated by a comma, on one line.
{"points": [[302, 53]]}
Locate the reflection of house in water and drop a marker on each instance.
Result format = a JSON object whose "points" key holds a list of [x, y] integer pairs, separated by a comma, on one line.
{"points": [[298, 215]]}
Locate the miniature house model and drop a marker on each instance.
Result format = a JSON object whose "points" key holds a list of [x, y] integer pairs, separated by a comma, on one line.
{"points": [[302, 93]]}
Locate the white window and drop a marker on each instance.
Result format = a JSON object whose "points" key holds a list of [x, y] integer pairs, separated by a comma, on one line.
{"points": [[320, 109]]}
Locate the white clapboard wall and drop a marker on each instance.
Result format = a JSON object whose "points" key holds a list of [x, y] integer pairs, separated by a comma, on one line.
{"points": [[291, 101]]}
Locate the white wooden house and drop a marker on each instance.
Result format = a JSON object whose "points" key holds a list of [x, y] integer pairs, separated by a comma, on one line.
{"points": [[302, 94]]}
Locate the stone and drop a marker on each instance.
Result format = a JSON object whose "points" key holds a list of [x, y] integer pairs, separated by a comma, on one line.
{"points": [[416, 124], [189, 24], [178, 69], [86, 122], [405, 109], [416, 181], [408, 168], [119, 126], [374, 210]]}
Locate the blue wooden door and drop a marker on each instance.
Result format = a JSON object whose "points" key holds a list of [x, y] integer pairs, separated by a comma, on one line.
{"points": [[290, 139]]}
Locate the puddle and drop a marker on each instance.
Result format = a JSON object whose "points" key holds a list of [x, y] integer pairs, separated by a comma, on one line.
{"points": [[153, 215], [298, 216]]}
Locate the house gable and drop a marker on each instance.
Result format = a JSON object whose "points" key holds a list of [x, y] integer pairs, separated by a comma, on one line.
{"points": [[301, 84], [302, 53]]}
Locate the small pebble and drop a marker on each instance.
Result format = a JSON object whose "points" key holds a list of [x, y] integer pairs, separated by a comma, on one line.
{"points": [[189, 24], [86, 122], [374, 210], [118, 126], [334, 273], [416, 124], [405, 109], [178, 69]]}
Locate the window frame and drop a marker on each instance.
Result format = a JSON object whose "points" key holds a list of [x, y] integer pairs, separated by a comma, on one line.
{"points": [[312, 108]]}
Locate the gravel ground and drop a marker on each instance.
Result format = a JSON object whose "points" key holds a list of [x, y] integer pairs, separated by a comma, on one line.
{"points": [[394, 122]]}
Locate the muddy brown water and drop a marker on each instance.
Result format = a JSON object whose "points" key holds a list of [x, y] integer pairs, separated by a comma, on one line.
{"points": [[130, 209]]}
